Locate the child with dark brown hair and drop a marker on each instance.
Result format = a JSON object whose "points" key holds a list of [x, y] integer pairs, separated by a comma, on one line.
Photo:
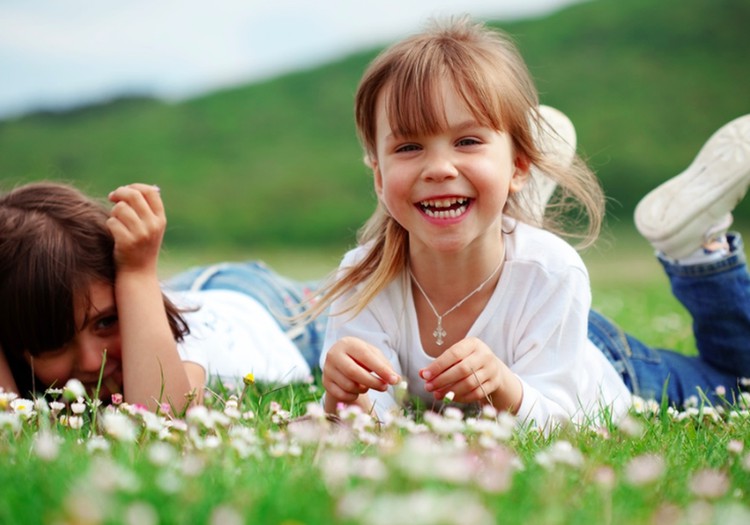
{"points": [[80, 298]]}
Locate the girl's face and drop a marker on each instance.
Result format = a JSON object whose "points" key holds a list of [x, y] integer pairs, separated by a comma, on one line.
{"points": [[447, 189], [81, 358]]}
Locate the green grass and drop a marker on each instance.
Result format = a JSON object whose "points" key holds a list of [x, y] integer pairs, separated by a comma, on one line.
{"points": [[259, 464]]}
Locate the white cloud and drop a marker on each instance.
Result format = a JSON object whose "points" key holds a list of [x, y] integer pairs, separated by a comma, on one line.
{"points": [[58, 53]]}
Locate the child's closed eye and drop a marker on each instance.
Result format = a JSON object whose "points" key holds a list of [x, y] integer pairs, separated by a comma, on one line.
{"points": [[468, 141], [407, 148]]}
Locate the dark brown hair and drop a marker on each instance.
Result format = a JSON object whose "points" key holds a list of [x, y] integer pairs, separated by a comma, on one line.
{"points": [[54, 243]]}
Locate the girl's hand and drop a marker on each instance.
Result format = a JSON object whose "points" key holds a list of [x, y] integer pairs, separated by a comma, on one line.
{"points": [[152, 369], [472, 372], [137, 222], [353, 367]]}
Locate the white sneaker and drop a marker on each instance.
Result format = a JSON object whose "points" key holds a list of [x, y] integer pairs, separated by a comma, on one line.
{"points": [[556, 136], [676, 216]]}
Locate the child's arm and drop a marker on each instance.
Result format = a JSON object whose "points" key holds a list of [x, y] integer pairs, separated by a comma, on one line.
{"points": [[6, 376], [473, 372], [353, 367], [152, 369]]}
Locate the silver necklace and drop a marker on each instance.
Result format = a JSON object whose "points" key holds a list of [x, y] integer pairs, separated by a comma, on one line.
{"points": [[440, 332]]}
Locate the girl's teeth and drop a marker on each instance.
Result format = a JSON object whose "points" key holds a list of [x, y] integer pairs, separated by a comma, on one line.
{"points": [[443, 203], [431, 209]]}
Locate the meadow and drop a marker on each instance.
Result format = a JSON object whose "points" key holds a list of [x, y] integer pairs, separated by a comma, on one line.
{"points": [[258, 453]]}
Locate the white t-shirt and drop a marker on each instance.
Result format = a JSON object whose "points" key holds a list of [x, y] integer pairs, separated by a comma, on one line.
{"points": [[536, 322], [232, 334]]}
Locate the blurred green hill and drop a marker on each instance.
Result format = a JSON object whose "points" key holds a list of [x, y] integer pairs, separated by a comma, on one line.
{"points": [[278, 163]]}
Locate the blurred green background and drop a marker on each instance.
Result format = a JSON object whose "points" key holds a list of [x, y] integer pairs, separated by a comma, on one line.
{"points": [[277, 164]]}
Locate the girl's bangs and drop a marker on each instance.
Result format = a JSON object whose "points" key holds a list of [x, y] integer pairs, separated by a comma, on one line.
{"points": [[415, 107], [41, 313], [415, 104], [46, 299]]}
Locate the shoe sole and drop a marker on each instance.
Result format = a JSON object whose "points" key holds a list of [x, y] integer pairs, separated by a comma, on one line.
{"points": [[557, 137], [674, 216]]}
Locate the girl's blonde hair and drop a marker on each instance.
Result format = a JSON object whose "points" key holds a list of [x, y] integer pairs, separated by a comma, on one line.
{"points": [[488, 73]]}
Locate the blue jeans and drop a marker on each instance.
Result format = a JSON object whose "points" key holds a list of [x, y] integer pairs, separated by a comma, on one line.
{"points": [[717, 296], [282, 297]]}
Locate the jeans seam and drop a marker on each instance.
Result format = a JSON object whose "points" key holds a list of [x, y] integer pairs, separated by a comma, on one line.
{"points": [[619, 348]]}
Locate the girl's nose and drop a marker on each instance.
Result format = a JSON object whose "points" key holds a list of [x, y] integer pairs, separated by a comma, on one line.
{"points": [[439, 166], [90, 356]]}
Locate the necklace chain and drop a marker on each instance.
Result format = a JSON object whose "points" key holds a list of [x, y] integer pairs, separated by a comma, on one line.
{"points": [[439, 333]]}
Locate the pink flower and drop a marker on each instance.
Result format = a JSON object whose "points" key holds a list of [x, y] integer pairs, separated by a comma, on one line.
{"points": [[709, 483], [735, 446], [116, 399], [668, 514], [644, 469], [605, 477]]}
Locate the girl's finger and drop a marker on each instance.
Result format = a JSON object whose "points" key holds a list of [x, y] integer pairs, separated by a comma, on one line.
{"points": [[446, 376], [117, 228], [446, 360], [152, 194], [125, 215], [144, 198], [341, 394], [380, 369], [465, 386], [346, 383], [369, 359], [362, 374], [467, 373]]}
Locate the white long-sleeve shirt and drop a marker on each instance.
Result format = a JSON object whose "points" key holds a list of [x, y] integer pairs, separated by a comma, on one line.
{"points": [[536, 322], [232, 334]]}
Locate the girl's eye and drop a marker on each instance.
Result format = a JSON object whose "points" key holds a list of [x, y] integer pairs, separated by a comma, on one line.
{"points": [[105, 323], [407, 148], [468, 141]]}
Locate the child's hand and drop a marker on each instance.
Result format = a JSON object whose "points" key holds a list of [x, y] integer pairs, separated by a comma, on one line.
{"points": [[137, 223], [353, 367], [472, 372]]}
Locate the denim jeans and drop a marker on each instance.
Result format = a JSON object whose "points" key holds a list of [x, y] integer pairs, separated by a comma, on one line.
{"points": [[281, 296], [717, 296]]}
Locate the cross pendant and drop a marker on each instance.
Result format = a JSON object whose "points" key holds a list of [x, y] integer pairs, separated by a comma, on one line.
{"points": [[439, 333]]}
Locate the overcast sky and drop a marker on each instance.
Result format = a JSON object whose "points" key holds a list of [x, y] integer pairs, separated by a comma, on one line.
{"points": [[58, 53]]}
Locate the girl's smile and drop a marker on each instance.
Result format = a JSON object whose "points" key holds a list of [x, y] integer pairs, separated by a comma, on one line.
{"points": [[446, 208]]}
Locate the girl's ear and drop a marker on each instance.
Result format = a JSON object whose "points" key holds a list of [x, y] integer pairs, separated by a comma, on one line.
{"points": [[520, 174]]}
